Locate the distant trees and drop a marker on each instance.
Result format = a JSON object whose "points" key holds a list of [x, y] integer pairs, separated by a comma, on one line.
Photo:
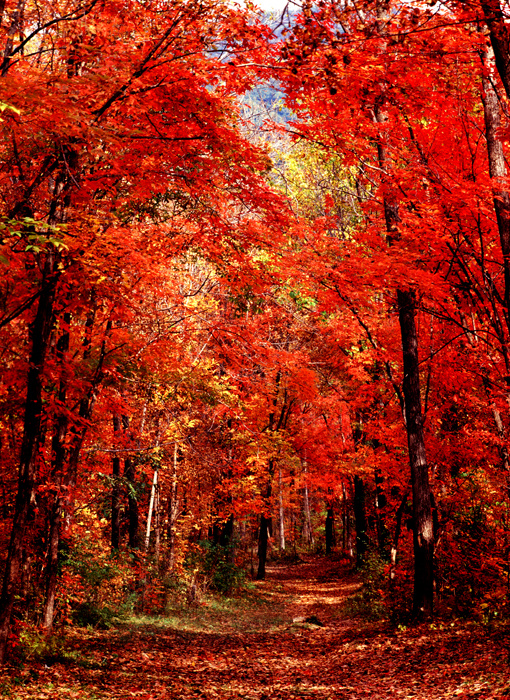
{"points": [[203, 327]]}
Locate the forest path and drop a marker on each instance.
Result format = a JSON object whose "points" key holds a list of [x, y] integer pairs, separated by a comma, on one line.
{"points": [[262, 652], [314, 587]]}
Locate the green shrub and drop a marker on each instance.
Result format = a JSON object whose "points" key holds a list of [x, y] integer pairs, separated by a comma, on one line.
{"points": [[35, 645], [215, 567], [103, 586], [89, 614], [368, 603]]}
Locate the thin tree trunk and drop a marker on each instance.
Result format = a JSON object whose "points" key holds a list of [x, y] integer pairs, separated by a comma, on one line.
{"points": [[360, 520], [116, 489], [52, 567], [130, 475], [264, 533], [330, 521], [59, 479], [15, 28], [157, 529], [423, 527], [347, 524], [423, 531], [62, 506], [151, 507], [281, 512], [266, 524], [307, 520], [498, 172], [40, 333], [396, 536], [500, 39], [173, 511], [132, 500], [265, 530], [379, 504]]}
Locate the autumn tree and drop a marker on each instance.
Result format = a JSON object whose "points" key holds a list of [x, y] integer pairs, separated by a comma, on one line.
{"points": [[122, 137]]}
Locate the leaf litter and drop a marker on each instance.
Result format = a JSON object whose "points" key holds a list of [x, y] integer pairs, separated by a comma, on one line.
{"points": [[295, 644]]}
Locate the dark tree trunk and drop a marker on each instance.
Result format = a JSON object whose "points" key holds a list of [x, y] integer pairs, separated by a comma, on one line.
{"points": [[14, 29], [423, 528], [227, 532], [116, 490], [346, 523], [500, 39], [330, 532], [173, 511], [52, 566], [264, 532], [360, 519], [266, 524], [379, 505], [132, 500], [62, 505], [40, 333], [498, 171], [423, 534], [396, 536], [59, 483], [133, 520]]}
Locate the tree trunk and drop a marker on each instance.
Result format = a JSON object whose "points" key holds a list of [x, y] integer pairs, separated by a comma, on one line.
{"points": [[281, 512], [379, 504], [500, 39], [266, 525], [360, 520], [132, 499], [151, 508], [264, 533], [62, 506], [330, 532], [40, 333], [130, 475], [173, 512], [423, 531], [423, 528], [14, 29], [59, 483], [497, 170], [501, 198], [116, 490], [346, 524], [52, 567], [307, 520], [157, 528], [396, 536]]}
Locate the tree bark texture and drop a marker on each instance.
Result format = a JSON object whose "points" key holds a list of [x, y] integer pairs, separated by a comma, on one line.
{"points": [[281, 512], [500, 39], [264, 532], [116, 490], [40, 333], [423, 528], [173, 511], [330, 531], [360, 519], [497, 169], [59, 482]]}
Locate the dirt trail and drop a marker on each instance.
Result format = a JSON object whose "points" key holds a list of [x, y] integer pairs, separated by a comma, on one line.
{"points": [[264, 655], [316, 587]]}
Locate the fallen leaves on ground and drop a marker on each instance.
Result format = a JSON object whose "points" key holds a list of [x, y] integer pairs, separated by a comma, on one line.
{"points": [[305, 649]]}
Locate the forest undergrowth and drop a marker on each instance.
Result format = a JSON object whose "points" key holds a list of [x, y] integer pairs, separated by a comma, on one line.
{"points": [[292, 636]]}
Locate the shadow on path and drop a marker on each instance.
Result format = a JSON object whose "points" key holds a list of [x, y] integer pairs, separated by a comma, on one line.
{"points": [[344, 659]]}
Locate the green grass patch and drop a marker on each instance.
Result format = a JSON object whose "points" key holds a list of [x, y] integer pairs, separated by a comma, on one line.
{"points": [[249, 612]]}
